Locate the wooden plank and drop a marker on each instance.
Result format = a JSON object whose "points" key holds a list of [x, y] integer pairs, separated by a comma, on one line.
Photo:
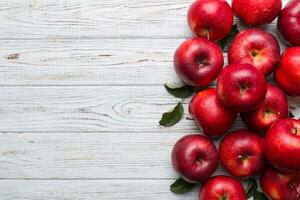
{"points": [[90, 189], [88, 62], [88, 156], [294, 104], [87, 109], [95, 19]]}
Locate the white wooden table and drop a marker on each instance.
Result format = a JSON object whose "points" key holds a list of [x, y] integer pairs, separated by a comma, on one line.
{"points": [[81, 94]]}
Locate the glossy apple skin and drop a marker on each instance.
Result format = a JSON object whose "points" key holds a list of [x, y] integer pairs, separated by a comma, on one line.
{"points": [[278, 186], [195, 158], [211, 19], [210, 114], [222, 188], [287, 74], [255, 47], [241, 87], [241, 153], [273, 108], [198, 61], [289, 22], [282, 145], [256, 12]]}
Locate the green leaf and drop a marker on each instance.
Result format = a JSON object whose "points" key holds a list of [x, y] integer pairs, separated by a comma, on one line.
{"points": [[180, 186], [251, 187], [225, 43], [199, 89], [172, 117], [180, 92], [259, 196]]}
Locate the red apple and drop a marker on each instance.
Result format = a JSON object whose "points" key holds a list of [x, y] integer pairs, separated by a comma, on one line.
{"points": [[241, 87], [287, 75], [282, 145], [198, 61], [273, 108], [256, 12], [195, 158], [289, 22], [222, 188], [210, 114], [241, 153], [211, 19], [255, 47], [280, 186]]}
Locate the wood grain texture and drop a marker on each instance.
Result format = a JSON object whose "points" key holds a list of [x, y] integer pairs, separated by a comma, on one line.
{"points": [[89, 62], [90, 189], [88, 109], [294, 105], [95, 19], [88, 156]]}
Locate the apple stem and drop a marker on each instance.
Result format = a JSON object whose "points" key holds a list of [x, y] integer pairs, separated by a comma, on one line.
{"points": [[242, 157], [295, 131], [254, 53], [199, 161], [270, 111], [243, 89], [223, 198]]}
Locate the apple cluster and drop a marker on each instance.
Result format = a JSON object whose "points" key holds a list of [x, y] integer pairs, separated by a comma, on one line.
{"points": [[270, 147]]}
